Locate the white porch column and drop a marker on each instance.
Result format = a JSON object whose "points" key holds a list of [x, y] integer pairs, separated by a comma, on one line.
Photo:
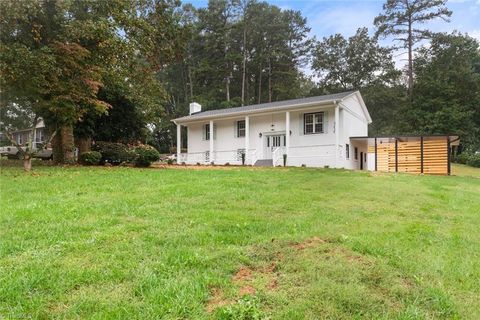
{"points": [[179, 142], [247, 139], [211, 141], [287, 133], [337, 134]]}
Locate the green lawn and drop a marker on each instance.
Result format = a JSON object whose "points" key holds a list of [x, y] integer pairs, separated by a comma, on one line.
{"points": [[237, 243]]}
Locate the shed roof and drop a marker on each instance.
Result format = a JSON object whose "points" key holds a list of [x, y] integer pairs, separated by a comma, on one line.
{"points": [[262, 107], [370, 140]]}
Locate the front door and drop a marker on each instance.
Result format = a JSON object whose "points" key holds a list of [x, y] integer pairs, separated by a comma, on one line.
{"points": [[272, 142]]}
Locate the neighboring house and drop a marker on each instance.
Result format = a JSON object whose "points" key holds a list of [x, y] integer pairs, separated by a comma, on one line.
{"points": [[23, 137], [313, 131]]}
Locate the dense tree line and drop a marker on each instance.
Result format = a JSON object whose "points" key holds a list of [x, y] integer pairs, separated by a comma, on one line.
{"points": [[120, 70]]}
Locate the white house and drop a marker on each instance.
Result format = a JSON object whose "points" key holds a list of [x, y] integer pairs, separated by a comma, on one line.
{"points": [[313, 131]]}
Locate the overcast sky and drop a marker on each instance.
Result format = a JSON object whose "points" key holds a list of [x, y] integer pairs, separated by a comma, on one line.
{"points": [[327, 17]]}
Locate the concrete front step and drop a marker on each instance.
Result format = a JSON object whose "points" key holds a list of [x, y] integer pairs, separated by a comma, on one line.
{"points": [[264, 163]]}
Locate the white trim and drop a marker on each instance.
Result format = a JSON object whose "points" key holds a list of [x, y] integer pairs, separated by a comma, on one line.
{"points": [[356, 115], [179, 141], [337, 134], [211, 155], [247, 138], [287, 133], [313, 145], [271, 110]]}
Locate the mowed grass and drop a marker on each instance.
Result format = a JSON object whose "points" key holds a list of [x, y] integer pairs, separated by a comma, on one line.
{"points": [[237, 243]]}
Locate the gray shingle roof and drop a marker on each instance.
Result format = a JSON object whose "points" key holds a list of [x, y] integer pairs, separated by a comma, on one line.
{"points": [[265, 106]]}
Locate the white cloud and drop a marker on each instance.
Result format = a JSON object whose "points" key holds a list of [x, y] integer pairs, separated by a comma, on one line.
{"points": [[345, 19]]}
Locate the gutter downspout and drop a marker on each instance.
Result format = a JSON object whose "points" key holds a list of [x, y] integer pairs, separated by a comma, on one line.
{"points": [[337, 131]]}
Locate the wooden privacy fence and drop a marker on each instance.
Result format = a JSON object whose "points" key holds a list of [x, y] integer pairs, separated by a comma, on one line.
{"points": [[428, 155]]}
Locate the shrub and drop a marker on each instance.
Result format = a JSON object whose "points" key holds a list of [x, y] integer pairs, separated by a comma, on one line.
{"points": [[114, 153], [462, 157], [90, 158], [474, 160], [145, 155], [170, 161]]}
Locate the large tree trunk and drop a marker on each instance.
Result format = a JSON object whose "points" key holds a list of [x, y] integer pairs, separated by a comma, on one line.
{"points": [[63, 145], [27, 162], [228, 87], [84, 145], [260, 84], [410, 59], [244, 62], [270, 89], [191, 83]]}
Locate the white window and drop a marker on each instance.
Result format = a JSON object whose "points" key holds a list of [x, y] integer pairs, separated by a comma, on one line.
{"points": [[313, 123], [39, 135], [207, 131], [240, 128], [347, 151]]}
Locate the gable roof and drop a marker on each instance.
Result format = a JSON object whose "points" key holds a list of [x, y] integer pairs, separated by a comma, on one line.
{"points": [[272, 106]]}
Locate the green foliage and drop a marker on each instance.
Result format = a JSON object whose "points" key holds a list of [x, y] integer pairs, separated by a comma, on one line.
{"points": [[396, 15], [474, 160], [114, 153], [354, 63], [462, 157], [402, 19], [90, 158], [446, 88], [245, 308], [238, 52], [56, 55], [145, 155]]}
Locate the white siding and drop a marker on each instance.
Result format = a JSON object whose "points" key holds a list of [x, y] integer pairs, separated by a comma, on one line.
{"points": [[353, 124]]}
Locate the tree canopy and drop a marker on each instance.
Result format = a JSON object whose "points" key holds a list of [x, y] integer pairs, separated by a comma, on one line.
{"points": [[120, 70]]}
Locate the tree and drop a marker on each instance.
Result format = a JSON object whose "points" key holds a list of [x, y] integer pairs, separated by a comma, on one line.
{"points": [[400, 19], [57, 55], [447, 87], [353, 64], [238, 52], [44, 64]]}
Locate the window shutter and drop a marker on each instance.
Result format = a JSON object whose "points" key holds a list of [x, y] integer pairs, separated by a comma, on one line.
{"points": [[214, 131], [203, 132], [235, 129], [325, 122], [300, 123]]}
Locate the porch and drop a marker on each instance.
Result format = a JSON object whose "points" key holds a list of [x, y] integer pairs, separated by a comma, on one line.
{"points": [[292, 137]]}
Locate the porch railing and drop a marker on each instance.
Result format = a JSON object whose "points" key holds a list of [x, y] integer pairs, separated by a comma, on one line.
{"points": [[277, 156], [253, 156], [218, 157]]}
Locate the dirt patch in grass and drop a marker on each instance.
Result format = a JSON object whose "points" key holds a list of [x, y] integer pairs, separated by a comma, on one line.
{"points": [[349, 255], [243, 274], [308, 243], [217, 300], [247, 290]]}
